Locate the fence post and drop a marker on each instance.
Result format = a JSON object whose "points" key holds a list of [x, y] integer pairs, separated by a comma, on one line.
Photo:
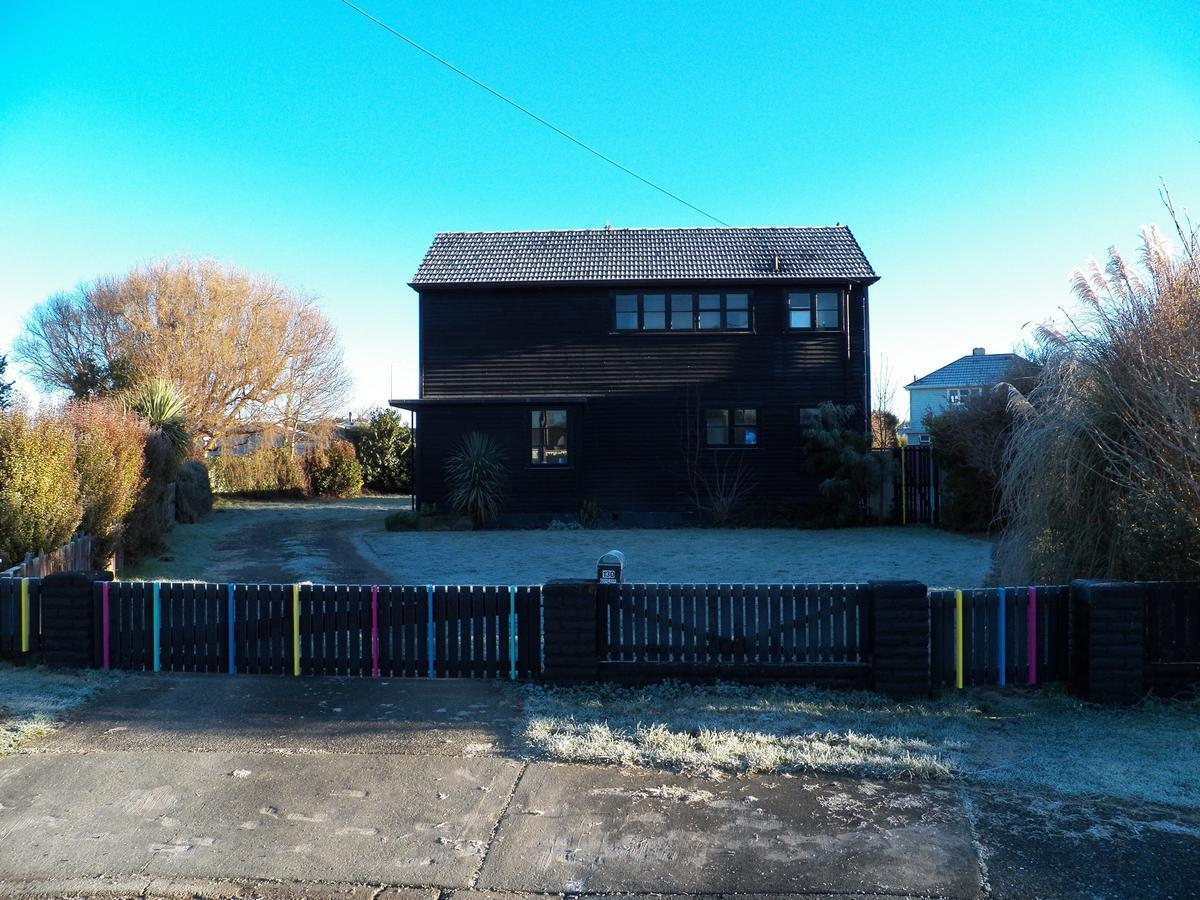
{"points": [[900, 659], [1107, 641], [569, 628], [68, 629]]}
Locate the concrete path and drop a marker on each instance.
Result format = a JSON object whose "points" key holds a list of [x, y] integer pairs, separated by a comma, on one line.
{"points": [[182, 786]]}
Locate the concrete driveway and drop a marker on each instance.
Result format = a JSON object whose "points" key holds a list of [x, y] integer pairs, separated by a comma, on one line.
{"points": [[175, 785]]}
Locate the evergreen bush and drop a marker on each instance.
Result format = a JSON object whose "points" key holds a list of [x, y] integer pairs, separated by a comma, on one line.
{"points": [[40, 504], [835, 448], [334, 471]]}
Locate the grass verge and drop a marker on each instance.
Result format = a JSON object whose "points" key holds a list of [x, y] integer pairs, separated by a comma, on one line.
{"points": [[1037, 739], [34, 700]]}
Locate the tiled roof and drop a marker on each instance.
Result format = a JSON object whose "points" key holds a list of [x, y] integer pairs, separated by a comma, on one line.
{"points": [[984, 369], [644, 254]]}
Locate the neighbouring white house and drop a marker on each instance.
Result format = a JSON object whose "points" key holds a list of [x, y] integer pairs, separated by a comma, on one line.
{"points": [[954, 383]]}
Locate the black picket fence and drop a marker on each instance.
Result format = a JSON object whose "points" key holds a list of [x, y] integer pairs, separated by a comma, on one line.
{"points": [[306, 629], [825, 633], [1172, 632], [738, 624], [999, 636]]}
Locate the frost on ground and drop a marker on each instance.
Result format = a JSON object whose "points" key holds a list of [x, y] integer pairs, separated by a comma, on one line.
{"points": [[725, 728], [683, 555], [1041, 739], [33, 701]]}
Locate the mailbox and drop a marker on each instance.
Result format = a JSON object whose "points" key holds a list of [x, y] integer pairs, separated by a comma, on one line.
{"points": [[611, 568]]}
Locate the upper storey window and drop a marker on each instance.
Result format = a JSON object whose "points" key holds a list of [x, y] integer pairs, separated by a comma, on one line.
{"points": [[710, 311], [814, 310]]}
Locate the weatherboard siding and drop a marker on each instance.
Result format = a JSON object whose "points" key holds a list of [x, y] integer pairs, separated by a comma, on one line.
{"points": [[627, 434], [559, 341]]}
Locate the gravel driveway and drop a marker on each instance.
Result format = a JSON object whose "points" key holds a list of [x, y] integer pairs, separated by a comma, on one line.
{"points": [[344, 542]]}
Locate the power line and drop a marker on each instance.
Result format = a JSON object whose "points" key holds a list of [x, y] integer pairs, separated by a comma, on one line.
{"points": [[513, 103]]}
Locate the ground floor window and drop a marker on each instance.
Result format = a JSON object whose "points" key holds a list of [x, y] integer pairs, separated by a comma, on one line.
{"points": [[731, 426], [549, 444]]}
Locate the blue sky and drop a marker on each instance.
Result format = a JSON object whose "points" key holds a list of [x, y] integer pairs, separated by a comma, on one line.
{"points": [[979, 151]]}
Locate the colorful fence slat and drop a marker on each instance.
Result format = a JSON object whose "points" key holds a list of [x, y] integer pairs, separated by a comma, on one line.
{"points": [[1001, 636], [735, 624], [20, 615]]}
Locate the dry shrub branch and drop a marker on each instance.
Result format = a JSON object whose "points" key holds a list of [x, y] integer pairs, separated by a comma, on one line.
{"points": [[1102, 475]]}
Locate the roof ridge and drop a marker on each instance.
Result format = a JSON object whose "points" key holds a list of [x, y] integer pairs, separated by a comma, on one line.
{"points": [[657, 228]]}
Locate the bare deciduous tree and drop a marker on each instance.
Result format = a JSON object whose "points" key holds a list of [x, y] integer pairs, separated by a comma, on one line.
{"points": [[884, 420], [243, 349]]}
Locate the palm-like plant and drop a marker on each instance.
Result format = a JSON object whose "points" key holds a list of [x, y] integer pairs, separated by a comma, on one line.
{"points": [[475, 474], [158, 401]]}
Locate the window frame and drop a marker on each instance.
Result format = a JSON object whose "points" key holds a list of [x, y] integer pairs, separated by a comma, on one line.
{"points": [[542, 431], [958, 396], [723, 310], [731, 412], [814, 310]]}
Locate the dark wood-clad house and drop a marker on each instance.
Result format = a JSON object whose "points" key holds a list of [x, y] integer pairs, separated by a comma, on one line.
{"points": [[615, 364]]}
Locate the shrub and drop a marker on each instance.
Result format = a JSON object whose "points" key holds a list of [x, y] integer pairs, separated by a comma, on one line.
{"points": [[835, 448], [268, 470], [1102, 475], [147, 522], [385, 453], [968, 444], [40, 506], [590, 512], [475, 474], [193, 493], [401, 520], [109, 456], [334, 472]]}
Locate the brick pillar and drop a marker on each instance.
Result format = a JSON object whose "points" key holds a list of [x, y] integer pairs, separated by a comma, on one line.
{"points": [[900, 661], [68, 626], [570, 631], [1108, 641]]}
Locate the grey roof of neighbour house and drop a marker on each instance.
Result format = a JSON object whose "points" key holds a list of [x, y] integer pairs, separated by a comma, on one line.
{"points": [[985, 369], [644, 254]]}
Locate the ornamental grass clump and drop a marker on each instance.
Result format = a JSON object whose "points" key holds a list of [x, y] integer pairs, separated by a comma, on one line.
{"points": [[476, 473], [1102, 474]]}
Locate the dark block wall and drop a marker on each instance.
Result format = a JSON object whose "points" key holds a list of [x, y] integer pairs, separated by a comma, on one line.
{"points": [[68, 618], [901, 635], [1108, 618], [571, 631]]}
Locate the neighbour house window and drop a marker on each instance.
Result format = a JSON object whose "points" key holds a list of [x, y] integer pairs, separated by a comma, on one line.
{"points": [[549, 437], [957, 396], [808, 310], [682, 312], [731, 427]]}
